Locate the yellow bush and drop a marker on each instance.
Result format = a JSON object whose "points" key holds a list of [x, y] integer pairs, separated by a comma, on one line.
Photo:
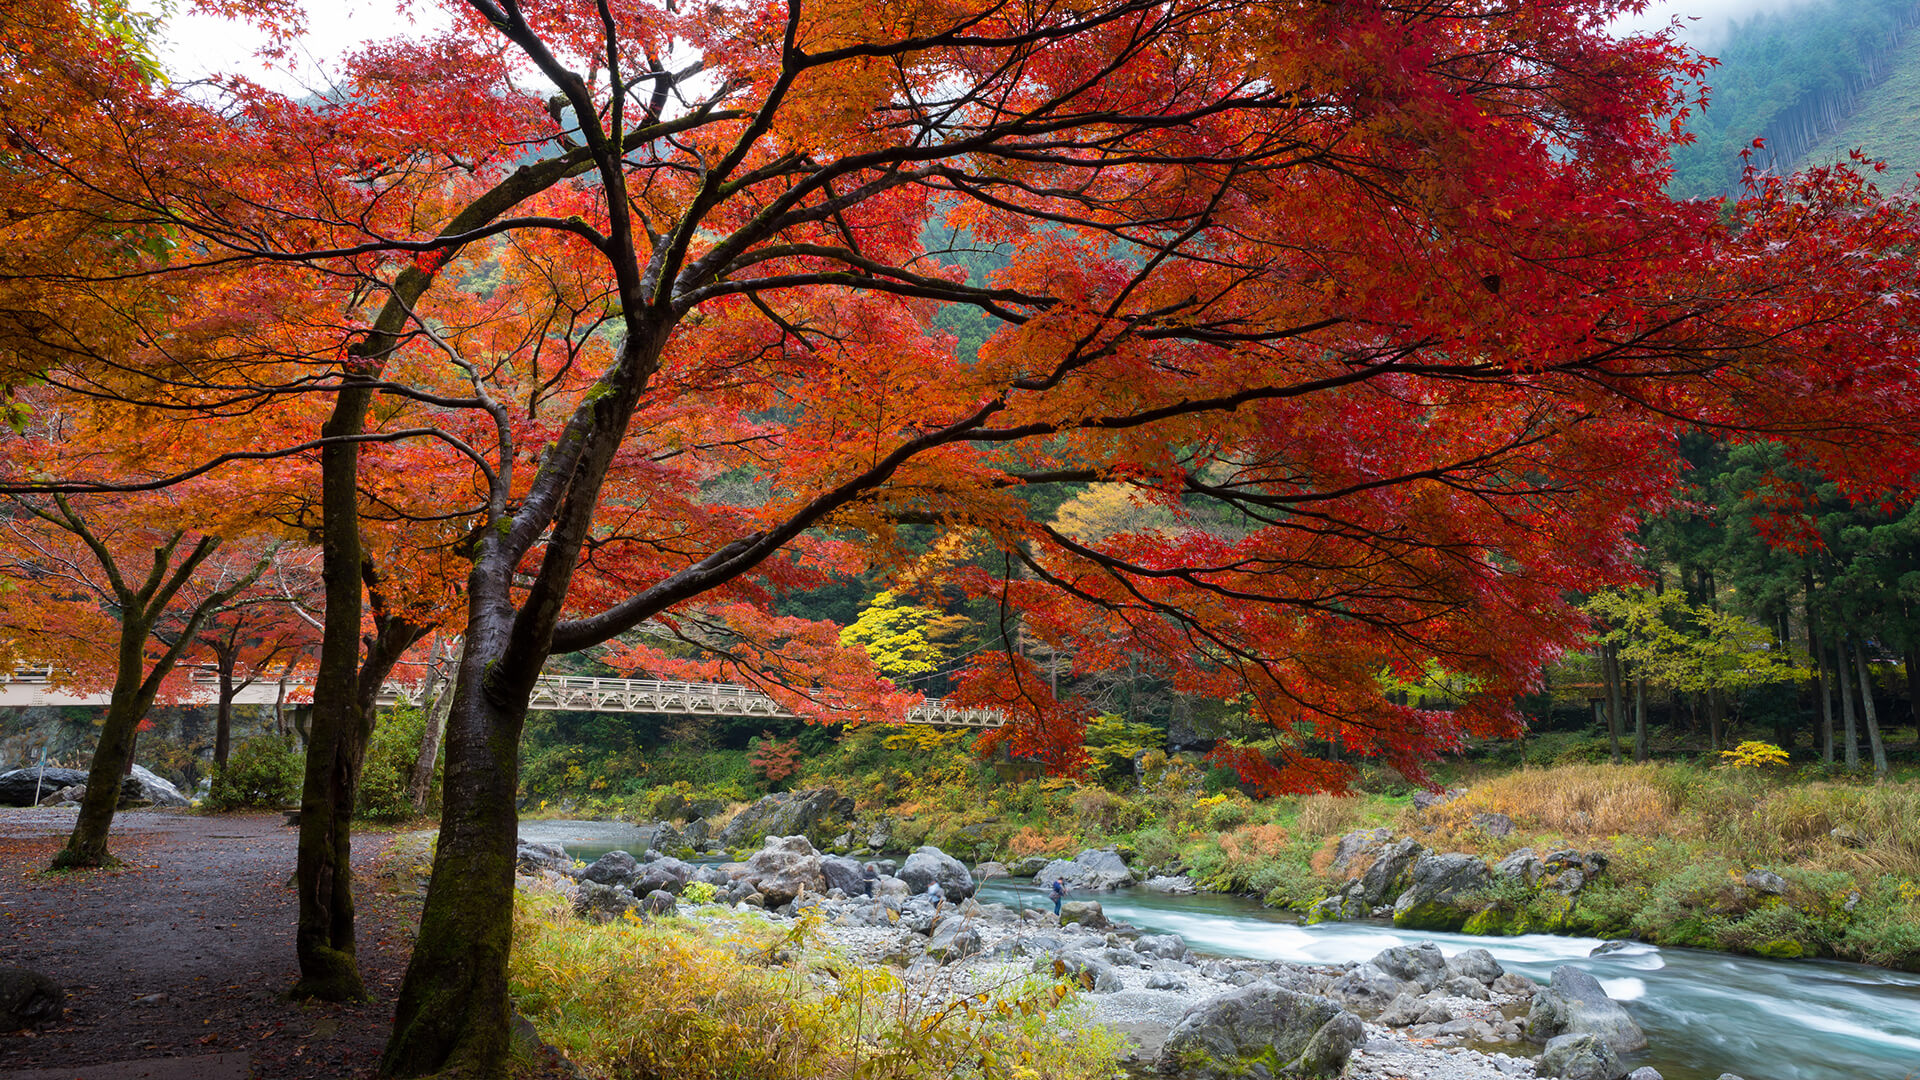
{"points": [[741, 1001], [1753, 754]]}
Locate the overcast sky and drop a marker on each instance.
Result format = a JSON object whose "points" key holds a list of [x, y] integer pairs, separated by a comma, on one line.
{"points": [[201, 45]]}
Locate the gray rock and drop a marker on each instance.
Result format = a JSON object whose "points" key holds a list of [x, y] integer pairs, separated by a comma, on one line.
{"points": [[610, 869], [1442, 892], [28, 999], [1579, 1057], [1463, 986], [1574, 1003], [598, 902], [1427, 800], [1090, 973], [533, 858], [659, 902], [1263, 1029], [144, 788], [785, 813], [987, 871], [1368, 990], [666, 874], [1403, 1010], [844, 874], [1391, 872], [1423, 965], [1494, 825], [1164, 946], [1765, 881], [953, 939], [1522, 864], [17, 786], [1172, 884], [1477, 964], [712, 875], [892, 887], [1027, 867], [1091, 869], [783, 868], [1727, 1076], [1357, 843], [1648, 1072], [1083, 912], [929, 864], [1166, 980], [1514, 984]]}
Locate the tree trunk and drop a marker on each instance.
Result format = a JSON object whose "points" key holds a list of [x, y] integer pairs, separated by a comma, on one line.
{"points": [[1826, 702], [436, 701], [223, 717], [1913, 689], [1851, 747], [1616, 697], [1716, 716], [1868, 710], [323, 940], [112, 757], [453, 1015], [1639, 716]]}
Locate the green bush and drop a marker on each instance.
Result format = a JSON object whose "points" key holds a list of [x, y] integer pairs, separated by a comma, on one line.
{"points": [[388, 771], [263, 771]]}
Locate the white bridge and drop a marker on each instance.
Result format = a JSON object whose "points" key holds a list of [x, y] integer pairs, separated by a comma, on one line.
{"points": [[551, 693]]}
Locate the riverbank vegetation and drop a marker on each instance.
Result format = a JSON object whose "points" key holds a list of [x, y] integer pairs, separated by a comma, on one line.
{"points": [[722, 996]]}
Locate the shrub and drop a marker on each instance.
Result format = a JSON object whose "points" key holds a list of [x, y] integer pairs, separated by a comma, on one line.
{"points": [[263, 771], [739, 1001], [388, 772]]}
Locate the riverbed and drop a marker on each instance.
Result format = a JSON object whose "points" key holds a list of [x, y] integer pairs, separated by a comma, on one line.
{"points": [[1705, 1013]]}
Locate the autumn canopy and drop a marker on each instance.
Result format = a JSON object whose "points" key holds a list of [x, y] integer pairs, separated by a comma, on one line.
{"points": [[1369, 320]]}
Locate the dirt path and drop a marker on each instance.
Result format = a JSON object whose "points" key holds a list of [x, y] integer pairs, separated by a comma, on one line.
{"points": [[187, 950]]}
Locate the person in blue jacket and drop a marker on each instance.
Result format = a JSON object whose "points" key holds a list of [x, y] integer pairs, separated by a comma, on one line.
{"points": [[1059, 892]]}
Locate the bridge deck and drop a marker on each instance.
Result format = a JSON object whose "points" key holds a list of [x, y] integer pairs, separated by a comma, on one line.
{"points": [[552, 693]]}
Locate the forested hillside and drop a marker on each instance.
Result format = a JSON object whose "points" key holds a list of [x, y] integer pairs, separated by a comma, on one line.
{"points": [[1813, 81]]}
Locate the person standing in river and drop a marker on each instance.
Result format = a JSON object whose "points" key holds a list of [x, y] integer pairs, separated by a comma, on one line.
{"points": [[1059, 892]]}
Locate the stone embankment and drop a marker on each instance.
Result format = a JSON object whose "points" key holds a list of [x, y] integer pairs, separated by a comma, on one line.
{"points": [[1410, 1011]]}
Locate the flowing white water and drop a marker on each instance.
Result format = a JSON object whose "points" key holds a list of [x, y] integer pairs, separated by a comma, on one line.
{"points": [[1704, 1013]]}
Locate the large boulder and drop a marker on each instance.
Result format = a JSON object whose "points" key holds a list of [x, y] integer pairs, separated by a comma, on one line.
{"points": [[665, 874], [1579, 1057], [954, 938], [1091, 869], [783, 868], [17, 786], [1261, 1030], [143, 788], [1443, 893], [28, 999], [1391, 872], [786, 813], [844, 874], [1522, 865], [1085, 913], [613, 868], [1573, 1003], [1422, 965], [929, 864], [603, 903]]}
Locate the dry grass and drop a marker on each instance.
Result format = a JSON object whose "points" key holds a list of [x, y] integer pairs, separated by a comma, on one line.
{"points": [[1328, 815], [1580, 802]]}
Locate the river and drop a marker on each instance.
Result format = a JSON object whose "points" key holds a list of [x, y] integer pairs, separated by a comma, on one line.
{"points": [[1705, 1013]]}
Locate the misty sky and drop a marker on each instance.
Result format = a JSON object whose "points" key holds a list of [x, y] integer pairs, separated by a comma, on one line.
{"points": [[201, 45]]}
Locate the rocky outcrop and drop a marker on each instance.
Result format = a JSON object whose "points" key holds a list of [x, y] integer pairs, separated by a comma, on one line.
{"points": [[1573, 1003], [1091, 869], [1443, 892], [141, 788], [844, 874], [17, 787], [1391, 872], [783, 868], [665, 874], [1263, 1029], [929, 864], [786, 813], [28, 999], [1354, 845], [1083, 913]]}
